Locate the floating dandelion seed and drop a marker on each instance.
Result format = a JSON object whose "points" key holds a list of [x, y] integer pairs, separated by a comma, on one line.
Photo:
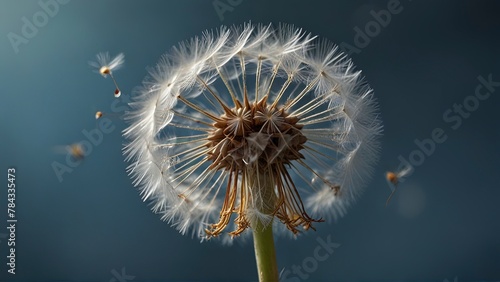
{"points": [[101, 118], [245, 125], [75, 150], [105, 66], [393, 179], [98, 115]]}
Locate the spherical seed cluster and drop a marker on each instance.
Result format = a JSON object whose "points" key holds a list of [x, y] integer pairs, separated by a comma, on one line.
{"points": [[250, 124]]}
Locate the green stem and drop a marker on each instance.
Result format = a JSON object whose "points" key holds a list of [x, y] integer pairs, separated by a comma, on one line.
{"points": [[264, 252]]}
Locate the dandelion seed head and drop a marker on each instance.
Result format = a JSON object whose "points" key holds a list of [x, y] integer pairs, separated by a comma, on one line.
{"points": [[252, 125]]}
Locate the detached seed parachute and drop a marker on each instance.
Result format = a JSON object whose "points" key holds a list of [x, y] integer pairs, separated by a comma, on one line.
{"points": [[393, 179], [105, 66]]}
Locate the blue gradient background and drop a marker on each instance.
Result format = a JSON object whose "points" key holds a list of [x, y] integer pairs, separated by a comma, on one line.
{"points": [[443, 223]]}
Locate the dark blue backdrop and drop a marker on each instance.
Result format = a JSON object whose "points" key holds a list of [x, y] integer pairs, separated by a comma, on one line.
{"points": [[92, 226]]}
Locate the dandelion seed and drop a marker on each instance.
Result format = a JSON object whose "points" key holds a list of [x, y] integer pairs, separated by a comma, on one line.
{"points": [[105, 66], [75, 150], [98, 115], [264, 124], [393, 179]]}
